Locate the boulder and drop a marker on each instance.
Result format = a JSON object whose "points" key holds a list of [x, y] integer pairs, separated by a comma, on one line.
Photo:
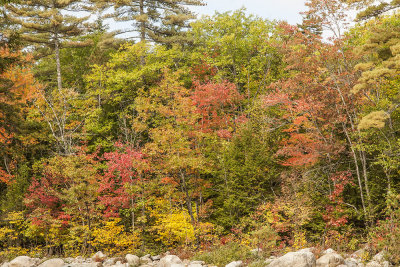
{"points": [[298, 259], [23, 261], [146, 259], [330, 260], [169, 261], [156, 258], [198, 262], [373, 264], [132, 260], [312, 249], [351, 262], [380, 257], [53, 263], [99, 257], [328, 251], [256, 251], [109, 262], [235, 264], [84, 264], [359, 254]]}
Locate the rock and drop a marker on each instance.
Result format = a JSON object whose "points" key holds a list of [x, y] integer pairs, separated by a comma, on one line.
{"points": [[109, 262], [386, 264], [380, 257], [23, 261], [269, 260], [195, 265], [359, 254], [99, 257], [312, 249], [351, 262], [198, 262], [328, 251], [156, 258], [235, 264], [373, 264], [342, 265], [52, 263], [330, 260], [132, 260], [298, 259], [146, 259], [84, 264], [169, 260], [256, 251]]}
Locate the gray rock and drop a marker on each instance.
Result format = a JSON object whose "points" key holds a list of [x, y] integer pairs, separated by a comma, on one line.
{"points": [[156, 258], [380, 257], [84, 264], [328, 251], [146, 259], [256, 251], [109, 262], [169, 260], [52, 263], [195, 265], [298, 259], [386, 264], [330, 260], [99, 257], [373, 264], [23, 261], [198, 262], [312, 249], [132, 260], [359, 254], [235, 264], [351, 262]]}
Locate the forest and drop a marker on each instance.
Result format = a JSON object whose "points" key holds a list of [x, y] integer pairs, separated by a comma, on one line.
{"points": [[198, 135]]}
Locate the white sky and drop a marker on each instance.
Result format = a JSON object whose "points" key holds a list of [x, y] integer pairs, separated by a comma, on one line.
{"points": [[270, 9]]}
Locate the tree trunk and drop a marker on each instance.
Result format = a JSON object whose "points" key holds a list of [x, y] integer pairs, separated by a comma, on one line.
{"points": [[142, 22], [58, 63]]}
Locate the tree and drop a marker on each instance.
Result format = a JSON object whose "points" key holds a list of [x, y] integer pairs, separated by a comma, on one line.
{"points": [[160, 21], [63, 200], [49, 27], [370, 9], [16, 88], [241, 47], [50, 24], [168, 115]]}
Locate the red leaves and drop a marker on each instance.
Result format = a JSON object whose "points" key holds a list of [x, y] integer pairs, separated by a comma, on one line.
{"points": [[217, 103], [123, 167]]}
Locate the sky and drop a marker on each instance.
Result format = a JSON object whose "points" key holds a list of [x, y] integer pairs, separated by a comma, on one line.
{"points": [[270, 9]]}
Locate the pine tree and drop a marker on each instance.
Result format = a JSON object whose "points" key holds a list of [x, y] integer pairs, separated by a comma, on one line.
{"points": [[49, 25], [156, 20]]}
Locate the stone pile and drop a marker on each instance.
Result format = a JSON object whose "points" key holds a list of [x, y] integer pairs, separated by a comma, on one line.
{"points": [[302, 258]]}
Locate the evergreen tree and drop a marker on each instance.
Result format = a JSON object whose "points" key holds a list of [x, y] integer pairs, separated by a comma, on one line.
{"points": [[156, 20], [49, 24]]}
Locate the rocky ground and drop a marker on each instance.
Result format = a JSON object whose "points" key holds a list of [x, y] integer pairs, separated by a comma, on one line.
{"points": [[301, 258]]}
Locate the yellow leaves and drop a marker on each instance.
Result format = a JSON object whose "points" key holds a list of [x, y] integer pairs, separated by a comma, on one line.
{"points": [[175, 228], [112, 237], [375, 119]]}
